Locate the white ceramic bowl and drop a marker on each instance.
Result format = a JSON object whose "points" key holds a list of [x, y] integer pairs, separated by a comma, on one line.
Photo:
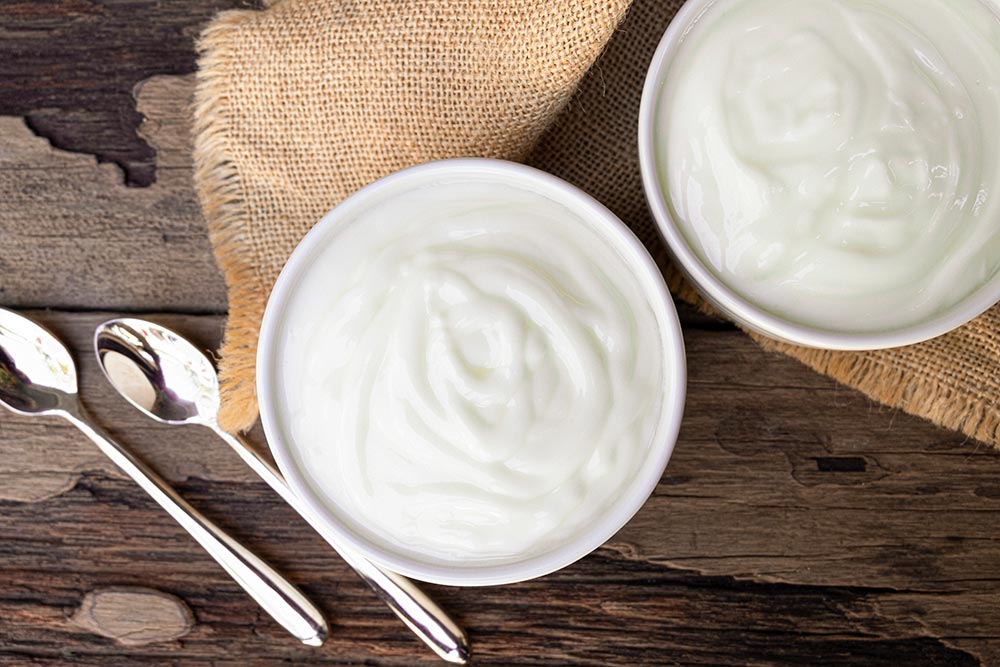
{"points": [[631, 498], [708, 284]]}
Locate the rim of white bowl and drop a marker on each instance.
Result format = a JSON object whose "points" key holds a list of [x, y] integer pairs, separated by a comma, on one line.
{"points": [[717, 292], [671, 410]]}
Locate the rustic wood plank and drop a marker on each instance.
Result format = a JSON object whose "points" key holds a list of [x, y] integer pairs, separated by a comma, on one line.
{"points": [[69, 67], [75, 236], [795, 520]]}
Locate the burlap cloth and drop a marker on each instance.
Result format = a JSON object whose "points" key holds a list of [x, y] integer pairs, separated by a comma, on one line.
{"points": [[303, 103]]}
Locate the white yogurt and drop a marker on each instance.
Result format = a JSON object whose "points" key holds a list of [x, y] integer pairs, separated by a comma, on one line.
{"points": [[469, 371], [837, 162]]}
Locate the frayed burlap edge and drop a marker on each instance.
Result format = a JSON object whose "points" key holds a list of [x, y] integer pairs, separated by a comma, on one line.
{"points": [[223, 202]]}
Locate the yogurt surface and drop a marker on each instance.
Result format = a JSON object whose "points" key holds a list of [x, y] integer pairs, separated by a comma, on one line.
{"points": [[837, 162], [469, 371]]}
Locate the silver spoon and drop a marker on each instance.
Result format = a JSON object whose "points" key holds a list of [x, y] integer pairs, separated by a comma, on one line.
{"points": [[38, 377], [168, 378]]}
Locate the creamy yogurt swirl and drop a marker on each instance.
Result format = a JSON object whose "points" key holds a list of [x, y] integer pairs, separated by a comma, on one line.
{"points": [[836, 161], [470, 370]]}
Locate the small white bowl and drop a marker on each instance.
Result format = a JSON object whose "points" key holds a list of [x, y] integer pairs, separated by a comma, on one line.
{"points": [[708, 284], [672, 405]]}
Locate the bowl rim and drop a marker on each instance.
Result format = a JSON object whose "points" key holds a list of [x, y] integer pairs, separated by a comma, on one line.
{"points": [[624, 507], [713, 288]]}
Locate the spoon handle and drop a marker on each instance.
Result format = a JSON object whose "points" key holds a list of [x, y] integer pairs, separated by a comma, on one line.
{"points": [[275, 594], [421, 614]]}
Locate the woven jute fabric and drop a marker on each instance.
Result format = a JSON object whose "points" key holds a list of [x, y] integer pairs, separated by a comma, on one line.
{"points": [[303, 103]]}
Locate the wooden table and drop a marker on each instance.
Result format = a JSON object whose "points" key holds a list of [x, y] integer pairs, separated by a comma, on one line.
{"points": [[797, 524]]}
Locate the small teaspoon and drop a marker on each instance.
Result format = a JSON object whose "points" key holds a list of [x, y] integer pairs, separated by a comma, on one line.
{"points": [[162, 374], [38, 377]]}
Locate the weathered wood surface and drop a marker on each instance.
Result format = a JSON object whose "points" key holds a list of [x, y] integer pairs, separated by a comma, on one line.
{"points": [[68, 68], [134, 616], [797, 524], [75, 236], [795, 520]]}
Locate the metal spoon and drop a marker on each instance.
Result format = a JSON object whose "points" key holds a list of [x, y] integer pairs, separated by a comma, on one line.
{"points": [[38, 377], [169, 379]]}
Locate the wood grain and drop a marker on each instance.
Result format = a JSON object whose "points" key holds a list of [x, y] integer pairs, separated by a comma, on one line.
{"points": [[133, 615], [74, 236], [794, 520], [69, 67]]}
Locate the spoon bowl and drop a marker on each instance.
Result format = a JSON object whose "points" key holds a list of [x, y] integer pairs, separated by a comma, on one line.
{"points": [[37, 373], [159, 372]]}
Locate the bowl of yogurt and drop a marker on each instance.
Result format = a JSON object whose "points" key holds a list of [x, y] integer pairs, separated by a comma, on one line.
{"points": [[827, 172], [472, 371]]}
